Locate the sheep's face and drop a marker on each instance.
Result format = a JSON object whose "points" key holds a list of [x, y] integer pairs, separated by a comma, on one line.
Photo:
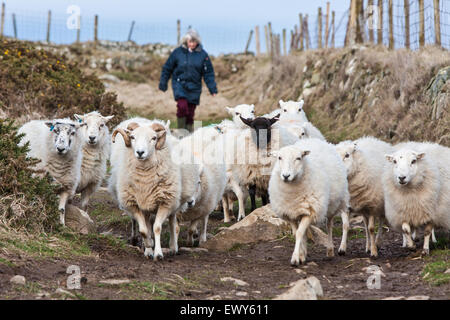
{"points": [[93, 126], [291, 107], [346, 150], [144, 141], [246, 111], [63, 135], [298, 131], [261, 127], [405, 166], [290, 163]]}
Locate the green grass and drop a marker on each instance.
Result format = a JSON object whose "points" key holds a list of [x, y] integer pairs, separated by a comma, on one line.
{"points": [[145, 290], [108, 218], [129, 76], [434, 271], [7, 263]]}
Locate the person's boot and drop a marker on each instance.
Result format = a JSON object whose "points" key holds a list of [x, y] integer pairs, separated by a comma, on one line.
{"points": [[189, 127], [181, 123]]}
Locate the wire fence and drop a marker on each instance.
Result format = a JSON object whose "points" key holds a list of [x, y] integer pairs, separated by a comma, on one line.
{"points": [[232, 37]]}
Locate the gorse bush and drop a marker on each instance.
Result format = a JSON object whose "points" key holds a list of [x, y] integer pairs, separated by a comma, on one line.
{"points": [[38, 81], [26, 200]]}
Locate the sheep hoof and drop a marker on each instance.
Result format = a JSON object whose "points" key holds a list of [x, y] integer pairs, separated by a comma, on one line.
{"points": [[330, 253], [425, 252], [158, 257], [374, 255], [148, 253], [295, 263], [341, 252]]}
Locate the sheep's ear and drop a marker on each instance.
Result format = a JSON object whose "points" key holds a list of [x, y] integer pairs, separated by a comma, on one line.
{"points": [[248, 122], [49, 124], [274, 119], [161, 133], [420, 156], [301, 103], [131, 126], [167, 125], [281, 102], [78, 117], [108, 118], [389, 157], [230, 110], [305, 153]]}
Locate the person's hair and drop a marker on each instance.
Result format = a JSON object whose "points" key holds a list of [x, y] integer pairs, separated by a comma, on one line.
{"points": [[191, 35]]}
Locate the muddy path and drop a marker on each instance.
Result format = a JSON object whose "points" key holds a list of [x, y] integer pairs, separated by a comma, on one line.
{"points": [[263, 266]]}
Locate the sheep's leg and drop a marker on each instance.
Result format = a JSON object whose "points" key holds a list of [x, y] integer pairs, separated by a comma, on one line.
{"points": [[86, 194], [380, 232], [407, 236], [173, 225], [366, 229], [230, 208], [294, 227], [63, 198], [144, 231], [161, 216], [330, 249], [413, 233], [433, 236], [191, 231], [133, 238], [252, 193], [299, 254], [264, 199], [345, 228], [202, 237], [426, 239], [241, 199], [373, 246], [226, 212]]}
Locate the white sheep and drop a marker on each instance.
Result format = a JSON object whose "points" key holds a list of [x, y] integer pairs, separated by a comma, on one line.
{"points": [[57, 143], [364, 161], [416, 186], [308, 186], [303, 130], [289, 111], [96, 150], [246, 111], [145, 180]]}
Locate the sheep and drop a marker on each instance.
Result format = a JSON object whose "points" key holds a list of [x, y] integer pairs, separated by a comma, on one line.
{"points": [[145, 181], [364, 162], [416, 185], [304, 130], [96, 150], [204, 147], [289, 110], [246, 111], [248, 154], [57, 143], [308, 185]]}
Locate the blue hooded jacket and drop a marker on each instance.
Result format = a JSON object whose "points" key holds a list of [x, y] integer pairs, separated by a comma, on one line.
{"points": [[187, 69]]}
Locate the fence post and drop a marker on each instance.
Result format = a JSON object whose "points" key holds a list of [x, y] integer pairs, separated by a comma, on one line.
{"points": [[422, 23], [257, 41], [437, 23], [301, 32], [391, 25], [370, 11], [96, 28], [407, 38], [351, 25], [327, 20], [306, 32], [14, 25], [178, 31], [266, 33], [49, 21], [271, 46], [380, 23], [131, 31], [79, 28], [248, 41], [333, 30], [319, 29], [284, 42], [3, 20]]}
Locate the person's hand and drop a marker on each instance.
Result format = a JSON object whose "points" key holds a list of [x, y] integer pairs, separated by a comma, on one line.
{"points": [[214, 94]]}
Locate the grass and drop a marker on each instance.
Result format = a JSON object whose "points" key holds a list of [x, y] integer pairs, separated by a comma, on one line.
{"points": [[129, 76], [7, 263], [149, 290], [434, 271]]}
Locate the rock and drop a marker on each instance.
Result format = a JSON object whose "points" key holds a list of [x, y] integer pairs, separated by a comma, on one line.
{"points": [[78, 220], [306, 93], [300, 272], [18, 279], [188, 249], [236, 281], [305, 289], [65, 292], [216, 297], [394, 298], [109, 77], [315, 79], [311, 264], [241, 294], [447, 271], [260, 225], [418, 298], [114, 282], [42, 295]]}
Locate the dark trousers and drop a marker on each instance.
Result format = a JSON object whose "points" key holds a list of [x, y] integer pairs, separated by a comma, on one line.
{"points": [[186, 109]]}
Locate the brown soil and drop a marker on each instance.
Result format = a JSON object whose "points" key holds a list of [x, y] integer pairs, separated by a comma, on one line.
{"points": [[264, 266]]}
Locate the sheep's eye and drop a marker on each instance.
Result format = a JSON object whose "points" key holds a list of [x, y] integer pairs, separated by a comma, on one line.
{"points": [[132, 137], [300, 110], [238, 114], [414, 161], [279, 158], [72, 133], [102, 125], [299, 158], [303, 133], [284, 110], [395, 161], [154, 138], [253, 111], [347, 155]]}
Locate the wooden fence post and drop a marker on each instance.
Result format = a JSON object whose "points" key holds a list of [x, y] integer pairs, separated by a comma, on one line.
{"points": [[3, 20], [422, 23], [319, 29], [437, 23], [351, 25], [178, 31], [257, 41], [306, 32], [370, 11], [131, 31], [49, 22], [284, 42], [78, 28], [271, 46], [96, 28], [327, 20], [407, 38], [14, 25], [333, 30], [380, 23], [391, 25], [248, 41], [359, 35], [266, 33], [301, 36]]}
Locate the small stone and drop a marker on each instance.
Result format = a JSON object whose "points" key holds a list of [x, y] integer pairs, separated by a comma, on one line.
{"points": [[388, 265], [418, 298], [64, 292], [115, 281], [340, 287], [394, 298], [241, 294], [300, 272], [216, 297], [20, 280], [236, 281], [312, 264], [404, 274], [447, 271], [42, 295], [257, 292]]}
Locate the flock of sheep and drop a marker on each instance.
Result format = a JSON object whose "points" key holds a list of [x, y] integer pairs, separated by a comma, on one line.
{"points": [[157, 175]]}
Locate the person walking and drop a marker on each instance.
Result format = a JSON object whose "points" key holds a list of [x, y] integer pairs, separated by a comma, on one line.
{"points": [[187, 65]]}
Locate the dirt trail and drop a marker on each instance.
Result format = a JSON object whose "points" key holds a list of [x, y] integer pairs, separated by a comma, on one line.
{"points": [[196, 275]]}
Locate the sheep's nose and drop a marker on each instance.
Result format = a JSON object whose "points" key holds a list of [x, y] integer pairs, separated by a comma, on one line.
{"points": [[286, 176], [91, 139], [60, 150], [140, 153], [402, 178], [190, 203]]}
